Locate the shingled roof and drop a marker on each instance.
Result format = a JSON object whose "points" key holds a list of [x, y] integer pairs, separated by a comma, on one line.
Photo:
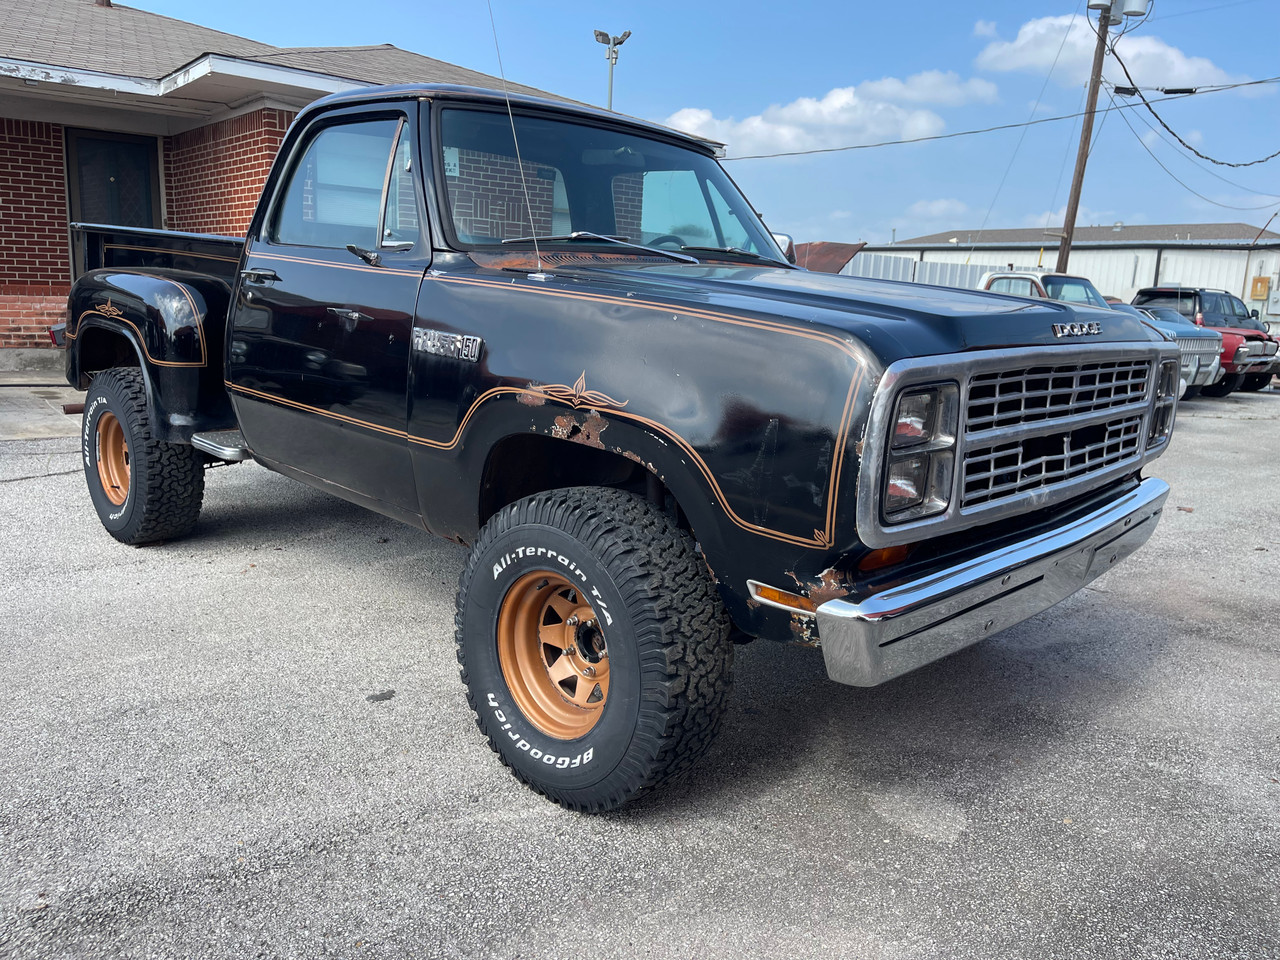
{"points": [[122, 41]]}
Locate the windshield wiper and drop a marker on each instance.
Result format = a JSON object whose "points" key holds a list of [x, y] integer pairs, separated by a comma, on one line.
{"points": [[588, 235], [737, 250]]}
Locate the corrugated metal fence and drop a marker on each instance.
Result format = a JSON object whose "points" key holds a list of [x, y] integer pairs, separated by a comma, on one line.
{"points": [[884, 266]]}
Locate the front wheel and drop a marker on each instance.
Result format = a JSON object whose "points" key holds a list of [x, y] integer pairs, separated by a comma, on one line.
{"points": [[143, 489], [594, 647], [1227, 385], [1255, 381]]}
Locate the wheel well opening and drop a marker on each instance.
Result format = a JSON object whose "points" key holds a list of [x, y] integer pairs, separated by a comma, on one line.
{"points": [[525, 464], [101, 350]]}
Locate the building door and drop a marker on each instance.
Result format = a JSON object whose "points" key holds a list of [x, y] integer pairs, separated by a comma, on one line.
{"points": [[114, 178]]}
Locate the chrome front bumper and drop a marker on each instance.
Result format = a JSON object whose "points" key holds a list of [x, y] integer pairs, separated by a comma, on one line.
{"points": [[888, 634]]}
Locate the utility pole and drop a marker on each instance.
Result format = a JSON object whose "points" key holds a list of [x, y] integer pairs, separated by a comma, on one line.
{"points": [[1086, 137]]}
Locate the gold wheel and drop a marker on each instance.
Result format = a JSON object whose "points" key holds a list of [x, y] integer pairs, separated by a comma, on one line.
{"points": [[553, 655], [113, 458]]}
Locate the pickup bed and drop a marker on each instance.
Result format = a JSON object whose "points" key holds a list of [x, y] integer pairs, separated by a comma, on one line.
{"points": [[564, 338]]}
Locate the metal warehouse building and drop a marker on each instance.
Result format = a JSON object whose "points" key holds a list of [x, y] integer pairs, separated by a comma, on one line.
{"points": [[1119, 259]]}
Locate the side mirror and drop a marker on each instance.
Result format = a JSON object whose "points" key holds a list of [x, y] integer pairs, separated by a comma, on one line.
{"points": [[788, 245], [1254, 314]]}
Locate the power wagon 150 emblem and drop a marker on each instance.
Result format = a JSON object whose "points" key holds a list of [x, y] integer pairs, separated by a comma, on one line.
{"points": [[453, 345], [1076, 329]]}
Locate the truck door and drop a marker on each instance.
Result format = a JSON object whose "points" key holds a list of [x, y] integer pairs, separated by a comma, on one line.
{"points": [[318, 355]]}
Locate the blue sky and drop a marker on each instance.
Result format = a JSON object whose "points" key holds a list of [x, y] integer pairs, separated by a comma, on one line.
{"points": [[776, 76]]}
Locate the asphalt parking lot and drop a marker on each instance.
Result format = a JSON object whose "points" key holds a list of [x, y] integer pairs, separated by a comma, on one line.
{"points": [[254, 743]]}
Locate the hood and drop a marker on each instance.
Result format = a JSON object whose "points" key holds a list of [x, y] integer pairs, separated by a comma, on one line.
{"points": [[1185, 329], [894, 319]]}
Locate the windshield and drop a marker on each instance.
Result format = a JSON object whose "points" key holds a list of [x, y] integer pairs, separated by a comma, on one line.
{"points": [[1167, 314], [578, 177], [1074, 290]]}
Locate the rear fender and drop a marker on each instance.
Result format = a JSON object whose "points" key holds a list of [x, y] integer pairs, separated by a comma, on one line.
{"points": [[173, 323]]}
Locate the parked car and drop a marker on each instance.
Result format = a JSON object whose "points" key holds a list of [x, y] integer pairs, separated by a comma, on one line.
{"points": [[1201, 347], [656, 435], [1249, 353], [1047, 284]]}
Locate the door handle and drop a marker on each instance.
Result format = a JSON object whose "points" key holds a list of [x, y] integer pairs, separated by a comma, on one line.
{"points": [[351, 316], [259, 275]]}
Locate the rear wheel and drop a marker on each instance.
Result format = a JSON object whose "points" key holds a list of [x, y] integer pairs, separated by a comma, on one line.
{"points": [[1255, 381], [1228, 384], [594, 647], [144, 490]]}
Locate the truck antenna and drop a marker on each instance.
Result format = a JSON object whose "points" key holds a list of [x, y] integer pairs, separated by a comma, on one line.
{"points": [[524, 183]]}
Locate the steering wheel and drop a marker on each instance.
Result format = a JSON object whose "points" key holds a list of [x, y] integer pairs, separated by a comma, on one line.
{"points": [[666, 238]]}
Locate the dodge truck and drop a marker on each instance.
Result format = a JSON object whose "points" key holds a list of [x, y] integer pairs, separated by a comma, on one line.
{"points": [[563, 338]]}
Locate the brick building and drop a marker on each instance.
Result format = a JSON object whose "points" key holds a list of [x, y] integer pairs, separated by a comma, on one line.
{"points": [[114, 115]]}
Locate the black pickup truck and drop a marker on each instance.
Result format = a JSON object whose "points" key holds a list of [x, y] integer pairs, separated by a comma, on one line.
{"points": [[564, 338]]}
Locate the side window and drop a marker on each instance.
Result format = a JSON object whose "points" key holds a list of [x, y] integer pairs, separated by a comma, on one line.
{"points": [[1238, 307], [1000, 285], [335, 195], [731, 231], [672, 204], [1021, 288], [400, 215]]}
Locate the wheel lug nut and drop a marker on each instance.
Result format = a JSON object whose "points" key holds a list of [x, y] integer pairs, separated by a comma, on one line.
{"points": [[589, 671], [572, 621], [570, 650]]}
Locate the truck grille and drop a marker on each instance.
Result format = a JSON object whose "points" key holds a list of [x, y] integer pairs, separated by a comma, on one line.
{"points": [[1199, 346], [1004, 469], [1034, 428]]}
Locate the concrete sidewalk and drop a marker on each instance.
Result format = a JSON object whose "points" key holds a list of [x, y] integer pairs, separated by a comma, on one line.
{"points": [[31, 398]]}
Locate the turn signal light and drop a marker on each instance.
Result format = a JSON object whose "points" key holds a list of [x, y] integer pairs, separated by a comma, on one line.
{"points": [[884, 557], [774, 597]]}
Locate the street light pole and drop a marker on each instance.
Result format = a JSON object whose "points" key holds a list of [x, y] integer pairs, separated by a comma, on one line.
{"points": [[613, 43], [1086, 136]]}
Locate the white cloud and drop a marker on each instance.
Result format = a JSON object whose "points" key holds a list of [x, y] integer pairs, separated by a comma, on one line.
{"points": [[984, 28], [1152, 62], [931, 86], [885, 109], [944, 209]]}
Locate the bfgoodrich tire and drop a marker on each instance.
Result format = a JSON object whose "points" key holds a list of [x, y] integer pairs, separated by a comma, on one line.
{"points": [[144, 490], [593, 645]]}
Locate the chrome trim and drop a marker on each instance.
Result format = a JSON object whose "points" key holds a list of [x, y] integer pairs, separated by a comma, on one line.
{"points": [[873, 532], [878, 637], [226, 445]]}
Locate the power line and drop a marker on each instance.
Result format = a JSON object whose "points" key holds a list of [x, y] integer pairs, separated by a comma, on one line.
{"points": [[1219, 88], [1187, 13], [1023, 135], [1174, 177], [1204, 156], [1201, 167]]}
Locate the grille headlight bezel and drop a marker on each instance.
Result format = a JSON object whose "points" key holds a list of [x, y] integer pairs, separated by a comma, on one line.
{"points": [[919, 468]]}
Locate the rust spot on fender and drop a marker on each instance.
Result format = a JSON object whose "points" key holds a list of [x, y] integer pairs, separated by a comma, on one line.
{"points": [[830, 585], [567, 427], [804, 631], [532, 399]]}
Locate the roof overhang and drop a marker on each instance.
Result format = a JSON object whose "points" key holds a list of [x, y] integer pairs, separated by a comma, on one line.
{"points": [[208, 88]]}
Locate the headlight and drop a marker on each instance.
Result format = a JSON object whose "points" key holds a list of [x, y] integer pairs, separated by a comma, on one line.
{"points": [[1167, 390], [920, 465]]}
